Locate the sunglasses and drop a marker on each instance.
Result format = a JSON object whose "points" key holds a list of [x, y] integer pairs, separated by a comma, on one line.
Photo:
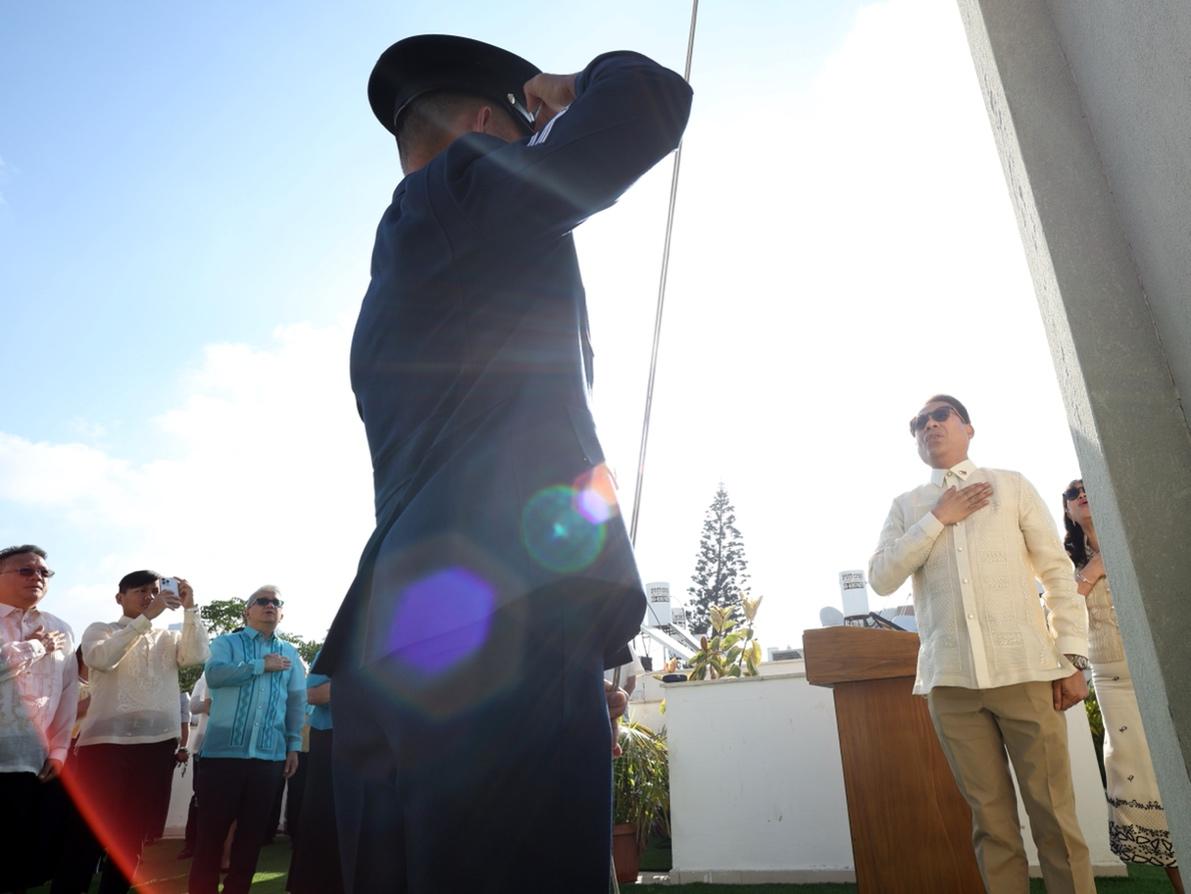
{"points": [[918, 423], [267, 601], [1074, 492], [43, 573]]}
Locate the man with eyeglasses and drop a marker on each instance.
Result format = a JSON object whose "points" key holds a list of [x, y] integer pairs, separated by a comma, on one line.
{"points": [[131, 728], [254, 734], [38, 699], [997, 672]]}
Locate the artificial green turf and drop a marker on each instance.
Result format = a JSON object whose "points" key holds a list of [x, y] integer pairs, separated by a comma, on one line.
{"points": [[1141, 880], [167, 875], [164, 873]]}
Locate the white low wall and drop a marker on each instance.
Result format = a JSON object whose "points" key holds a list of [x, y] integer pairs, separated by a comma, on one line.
{"points": [[757, 788]]}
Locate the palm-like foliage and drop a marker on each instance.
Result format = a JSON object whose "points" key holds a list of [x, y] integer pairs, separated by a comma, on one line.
{"points": [[641, 781]]}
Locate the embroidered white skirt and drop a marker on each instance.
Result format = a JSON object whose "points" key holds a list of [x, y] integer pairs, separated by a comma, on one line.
{"points": [[1137, 827]]}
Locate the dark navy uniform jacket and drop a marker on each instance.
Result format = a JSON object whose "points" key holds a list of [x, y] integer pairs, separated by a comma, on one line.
{"points": [[471, 367]]}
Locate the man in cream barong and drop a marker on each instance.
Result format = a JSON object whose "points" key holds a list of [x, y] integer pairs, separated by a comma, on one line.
{"points": [[130, 734], [998, 672]]}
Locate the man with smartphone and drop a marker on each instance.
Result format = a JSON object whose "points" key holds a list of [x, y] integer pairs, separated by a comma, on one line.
{"points": [[468, 655], [130, 733]]}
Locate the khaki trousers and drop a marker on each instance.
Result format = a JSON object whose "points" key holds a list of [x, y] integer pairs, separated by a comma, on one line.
{"points": [[977, 728]]}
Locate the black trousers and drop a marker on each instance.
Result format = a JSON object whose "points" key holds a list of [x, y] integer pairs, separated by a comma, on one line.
{"points": [[121, 813], [291, 793], [192, 810], [314, 866], [24, 819], [489, 772], [75, 862], [239, 790], [295, 793]]}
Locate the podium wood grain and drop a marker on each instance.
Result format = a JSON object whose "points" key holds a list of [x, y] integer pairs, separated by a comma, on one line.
{"points": [[911, 829]]}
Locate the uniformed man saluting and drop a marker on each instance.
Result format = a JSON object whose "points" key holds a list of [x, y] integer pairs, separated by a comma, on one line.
{"points": [[471, 729]]}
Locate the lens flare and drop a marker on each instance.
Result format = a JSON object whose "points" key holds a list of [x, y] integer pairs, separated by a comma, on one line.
{"points": [[557, 533], [595, 495], [442, 619]]}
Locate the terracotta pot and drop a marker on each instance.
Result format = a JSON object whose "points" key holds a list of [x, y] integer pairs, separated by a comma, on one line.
{"points": [[625, 852]]}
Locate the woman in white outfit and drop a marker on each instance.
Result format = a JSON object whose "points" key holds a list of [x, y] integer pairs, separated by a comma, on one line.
{"points": [[1136, 821]]}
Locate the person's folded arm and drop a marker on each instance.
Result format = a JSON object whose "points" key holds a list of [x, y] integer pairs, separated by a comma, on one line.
{"points": [[194, 646], [105, 645], [318, 693], [295, 705], [200, 698], [57, 734], [1068, 611], [901, 550], [222, 671], [17, 658]]}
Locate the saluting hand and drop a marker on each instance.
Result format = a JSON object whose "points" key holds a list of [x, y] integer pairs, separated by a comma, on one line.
{"points": [[275, 662], [548, 94], [956, 505]]}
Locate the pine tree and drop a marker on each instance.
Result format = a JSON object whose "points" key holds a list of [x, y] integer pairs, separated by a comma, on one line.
{"points": [[721, 570]]}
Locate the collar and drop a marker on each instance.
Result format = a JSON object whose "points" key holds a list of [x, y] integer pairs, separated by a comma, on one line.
{"points": [[6, 609], [961, 472], [253, 633]]}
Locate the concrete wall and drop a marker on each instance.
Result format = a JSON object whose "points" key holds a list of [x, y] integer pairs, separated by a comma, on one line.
{"points": [[1090, 105], [757, 787]]}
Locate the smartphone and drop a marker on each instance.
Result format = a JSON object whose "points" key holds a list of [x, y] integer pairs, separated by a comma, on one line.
{"points": [[170, 585]]}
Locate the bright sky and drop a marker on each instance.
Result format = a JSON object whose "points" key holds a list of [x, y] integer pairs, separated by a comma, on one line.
{"points": [[187, 201]]}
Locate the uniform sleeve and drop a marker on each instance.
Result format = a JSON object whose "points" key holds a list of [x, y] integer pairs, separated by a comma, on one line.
{"points": [[16, 658], [223, 671], [193, 645], [105, 645], [295, 706], [1068, 611], [901, 551], [61, 724], [628, 113]]}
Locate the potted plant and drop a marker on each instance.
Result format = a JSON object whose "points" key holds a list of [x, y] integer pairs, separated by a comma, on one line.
{"points": [[641, 795]]}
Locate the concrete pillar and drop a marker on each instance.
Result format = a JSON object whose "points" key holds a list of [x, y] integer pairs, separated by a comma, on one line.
{"points": [[1090, 102]]}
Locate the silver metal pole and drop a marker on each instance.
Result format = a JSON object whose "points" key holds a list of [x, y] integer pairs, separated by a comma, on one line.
{"points": [[657, 320], [657, 337]]}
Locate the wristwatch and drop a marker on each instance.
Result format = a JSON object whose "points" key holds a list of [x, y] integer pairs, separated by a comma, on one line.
{"points": [[1079, 662]]}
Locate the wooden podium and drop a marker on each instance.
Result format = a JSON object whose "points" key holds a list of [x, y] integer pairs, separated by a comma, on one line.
{"points": [[911, 829]]}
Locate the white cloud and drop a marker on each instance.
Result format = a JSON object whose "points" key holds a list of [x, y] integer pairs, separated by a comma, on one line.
{"points": [[842, 250], [265, 478]]}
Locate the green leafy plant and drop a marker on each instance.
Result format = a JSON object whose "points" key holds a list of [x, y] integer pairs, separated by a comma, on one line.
{"points": [[641, 781], [730, 648]]}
